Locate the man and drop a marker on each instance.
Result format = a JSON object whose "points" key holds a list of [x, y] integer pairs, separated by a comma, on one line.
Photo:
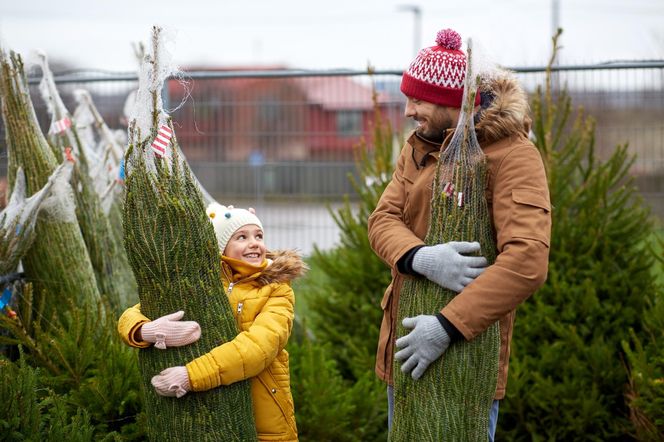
{"points": [[518, 201]]}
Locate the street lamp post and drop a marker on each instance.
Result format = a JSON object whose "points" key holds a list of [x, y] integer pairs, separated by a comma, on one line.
{"points": [[417, 24]]}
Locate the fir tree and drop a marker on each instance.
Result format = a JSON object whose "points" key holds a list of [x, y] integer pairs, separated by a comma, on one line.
{"points": [[80, 368], [343, 304], [645, 360], [345, 311], [567, 378]]}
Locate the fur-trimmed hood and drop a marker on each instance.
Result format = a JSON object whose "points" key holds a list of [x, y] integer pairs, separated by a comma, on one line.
{"points": [[504, 109], [284, 266]]}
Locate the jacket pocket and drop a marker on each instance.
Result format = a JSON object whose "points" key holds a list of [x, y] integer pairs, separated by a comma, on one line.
{"points": [[531, 197], [282, 400], [531, 216]]}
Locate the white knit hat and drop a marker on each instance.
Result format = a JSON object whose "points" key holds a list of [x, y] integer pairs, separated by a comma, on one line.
{"points": [[226, 220]]}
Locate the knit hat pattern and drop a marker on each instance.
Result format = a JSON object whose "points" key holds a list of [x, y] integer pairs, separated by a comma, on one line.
{"points": [[226, 220], [438, 72]]}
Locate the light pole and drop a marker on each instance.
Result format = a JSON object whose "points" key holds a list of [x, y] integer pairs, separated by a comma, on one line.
{"points": [[417, 24]]}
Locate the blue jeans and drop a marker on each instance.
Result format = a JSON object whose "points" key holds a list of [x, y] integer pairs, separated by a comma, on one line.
{"points": [[493, 414]]}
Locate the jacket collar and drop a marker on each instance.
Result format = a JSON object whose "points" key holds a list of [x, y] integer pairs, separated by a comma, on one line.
{"points": [[424, 148], [236, 270], [504, 108], [280, 266], [504, 112]]}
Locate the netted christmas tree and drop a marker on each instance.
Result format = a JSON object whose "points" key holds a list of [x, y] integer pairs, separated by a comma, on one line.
{"points": [[112, 272], [174, 254], [453, 398], [106, 147], [18, 219], [57, 263]]}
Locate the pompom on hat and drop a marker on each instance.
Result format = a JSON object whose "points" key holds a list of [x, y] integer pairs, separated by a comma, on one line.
{"points": [[438, 72], [226, 220]]}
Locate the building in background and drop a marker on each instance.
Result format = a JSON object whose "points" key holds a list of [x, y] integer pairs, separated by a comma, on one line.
{"points": [[299, 118]]}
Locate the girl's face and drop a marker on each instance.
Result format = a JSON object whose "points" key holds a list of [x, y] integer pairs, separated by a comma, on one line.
{"points": [[247, 245]]}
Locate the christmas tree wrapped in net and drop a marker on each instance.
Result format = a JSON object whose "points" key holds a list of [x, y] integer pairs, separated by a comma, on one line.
{"points": [[105, 149], [174, 254], [109, 261], [452, 400], [18, 219], [57, 263]]}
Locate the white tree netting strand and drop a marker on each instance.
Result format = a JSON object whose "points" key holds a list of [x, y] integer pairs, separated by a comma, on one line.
{"points": [[18, 219]]}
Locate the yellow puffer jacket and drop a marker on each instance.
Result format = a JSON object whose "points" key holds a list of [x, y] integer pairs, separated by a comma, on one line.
{"points": [[263, 303]]}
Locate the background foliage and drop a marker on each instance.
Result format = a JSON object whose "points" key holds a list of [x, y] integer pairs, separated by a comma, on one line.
{"points": [[568, 374]]}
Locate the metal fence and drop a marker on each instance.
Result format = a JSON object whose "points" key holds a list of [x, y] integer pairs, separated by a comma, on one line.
{"points": [[283, 141]]}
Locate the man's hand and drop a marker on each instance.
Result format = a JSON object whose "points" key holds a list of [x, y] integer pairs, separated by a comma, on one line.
{"points": [[169, 331], [424, 344], [172, 382], [445, 265]]}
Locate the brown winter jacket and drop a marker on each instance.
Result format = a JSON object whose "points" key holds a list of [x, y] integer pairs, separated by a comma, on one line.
{"points": [[518, 199]]}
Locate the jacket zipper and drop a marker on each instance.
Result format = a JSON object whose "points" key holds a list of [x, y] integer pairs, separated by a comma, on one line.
{"points": [[238, 316]]}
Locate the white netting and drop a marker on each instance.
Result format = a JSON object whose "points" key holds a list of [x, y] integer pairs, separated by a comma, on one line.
{"points": [[155, 68], [54, 103], [56, 108], [18, 219], [106, 151], [129, 106], [120, 137], [88, 136], [60, 206], [85, 122], [482, 63]]}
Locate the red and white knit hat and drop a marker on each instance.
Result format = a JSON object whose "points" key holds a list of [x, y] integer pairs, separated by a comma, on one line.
{"points": [[438, 72]]}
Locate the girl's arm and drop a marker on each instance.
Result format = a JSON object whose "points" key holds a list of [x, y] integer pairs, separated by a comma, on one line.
{"points": [[250, 352]]}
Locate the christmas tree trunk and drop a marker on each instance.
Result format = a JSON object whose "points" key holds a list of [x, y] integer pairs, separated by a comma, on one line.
{"points": [[57, 263], [112, 272], [173, 251], [453, 398]]}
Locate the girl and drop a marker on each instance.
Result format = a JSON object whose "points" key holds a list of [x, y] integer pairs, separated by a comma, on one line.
{"points": [[258, 288]]}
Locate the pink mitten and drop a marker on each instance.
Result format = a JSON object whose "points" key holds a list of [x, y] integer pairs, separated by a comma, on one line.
{"points": [[169, 331], [173, 381]]}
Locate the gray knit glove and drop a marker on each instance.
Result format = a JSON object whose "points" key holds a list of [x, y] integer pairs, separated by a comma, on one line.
{"points": [[445, 265], [424, 344]]}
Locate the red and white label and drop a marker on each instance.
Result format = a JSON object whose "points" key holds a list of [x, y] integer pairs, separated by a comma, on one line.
{"points": [[60, 126], [448, 189], [160, 143]]}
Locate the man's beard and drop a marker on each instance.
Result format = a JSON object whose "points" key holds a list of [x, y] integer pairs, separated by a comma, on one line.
{"points": [[436, 127]]}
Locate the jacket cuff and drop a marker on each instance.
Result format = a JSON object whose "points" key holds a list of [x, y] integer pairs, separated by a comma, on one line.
{"points": [[454, 334], [133, 339], [405, 263]]}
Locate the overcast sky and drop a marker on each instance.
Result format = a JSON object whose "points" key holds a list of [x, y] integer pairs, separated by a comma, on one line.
{"points": [[312, 34]]}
